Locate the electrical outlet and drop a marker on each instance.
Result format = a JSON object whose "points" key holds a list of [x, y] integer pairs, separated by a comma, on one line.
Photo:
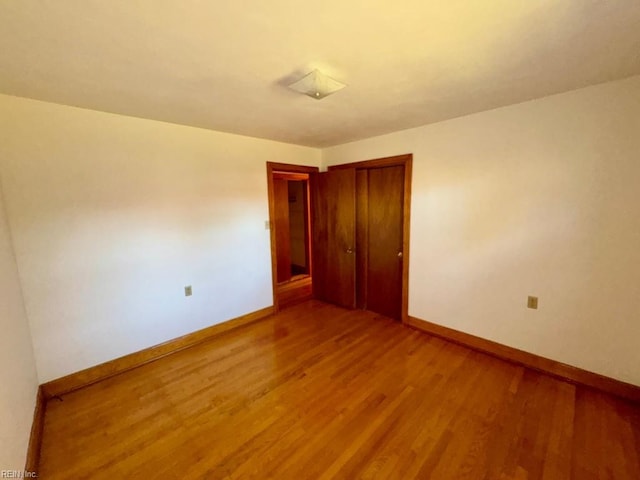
{"points": [[188, 291], [532, 302]]}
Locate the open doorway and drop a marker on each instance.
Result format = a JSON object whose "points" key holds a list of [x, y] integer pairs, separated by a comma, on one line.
{"points": [[290, 223]]}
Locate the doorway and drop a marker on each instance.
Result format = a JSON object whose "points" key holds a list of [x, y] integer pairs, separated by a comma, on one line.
{"points": [[290, 225]]}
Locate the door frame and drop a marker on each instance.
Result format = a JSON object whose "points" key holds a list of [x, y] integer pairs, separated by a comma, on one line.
{"points": [[406, 160], [273, 167]]}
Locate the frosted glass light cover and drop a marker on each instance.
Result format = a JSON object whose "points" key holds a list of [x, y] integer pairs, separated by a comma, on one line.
{"points": [[317, 85]]}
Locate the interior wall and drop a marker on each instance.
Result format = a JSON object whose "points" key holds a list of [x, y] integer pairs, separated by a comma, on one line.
{"points": [[17, 365], [113, 216], [539, 198]]}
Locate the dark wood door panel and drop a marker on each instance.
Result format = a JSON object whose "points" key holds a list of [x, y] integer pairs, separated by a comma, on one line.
{"points": [[362, 237], [385, 192], [319, 234], [334, 237]]}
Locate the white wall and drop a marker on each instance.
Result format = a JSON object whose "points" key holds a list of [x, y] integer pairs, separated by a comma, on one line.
{"points": [[539, 198], [17, 365], [112, 216]]}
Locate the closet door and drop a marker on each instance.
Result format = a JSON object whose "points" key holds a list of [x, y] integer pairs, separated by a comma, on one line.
{"points": [[384, 256], [334, 259]]}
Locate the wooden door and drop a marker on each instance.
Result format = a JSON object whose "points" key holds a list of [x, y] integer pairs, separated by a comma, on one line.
{"points": [[334, 259], [380, 227], [281, 225]]}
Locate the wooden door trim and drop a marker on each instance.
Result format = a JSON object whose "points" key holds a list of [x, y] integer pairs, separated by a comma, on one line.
{"points": [[377, 162], [535, 362], [405, 160], [273, 167], [89, 376], [290, 176]]}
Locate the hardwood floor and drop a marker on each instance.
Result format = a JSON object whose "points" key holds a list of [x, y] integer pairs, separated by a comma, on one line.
{"points": [[319, 392]]}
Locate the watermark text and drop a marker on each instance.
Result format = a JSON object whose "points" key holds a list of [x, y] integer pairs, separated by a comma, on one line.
{"points": [[17, 474]]}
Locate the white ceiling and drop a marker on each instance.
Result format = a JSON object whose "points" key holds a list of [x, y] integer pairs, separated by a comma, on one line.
{"points": [[223, 64]]}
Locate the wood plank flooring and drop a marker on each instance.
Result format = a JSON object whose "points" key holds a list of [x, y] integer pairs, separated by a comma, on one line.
{"points": [[319, 392], [295, 291]]}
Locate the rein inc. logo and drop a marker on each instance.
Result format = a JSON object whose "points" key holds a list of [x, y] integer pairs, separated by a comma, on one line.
{"points": [[17, 474]]}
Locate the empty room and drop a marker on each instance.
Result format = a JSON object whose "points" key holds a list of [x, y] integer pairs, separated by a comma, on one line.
{"points": [[346, 240]]}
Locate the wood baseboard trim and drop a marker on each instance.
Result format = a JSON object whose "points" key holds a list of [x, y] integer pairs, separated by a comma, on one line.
{"points": [[544, 365], [35, 439], [91, 375]]}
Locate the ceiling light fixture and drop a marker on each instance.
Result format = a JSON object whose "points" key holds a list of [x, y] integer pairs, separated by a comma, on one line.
{"points": [[316, 85]]}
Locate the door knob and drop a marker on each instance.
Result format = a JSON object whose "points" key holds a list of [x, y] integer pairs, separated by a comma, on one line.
{"points": [[399, 254], [349, 251]]}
